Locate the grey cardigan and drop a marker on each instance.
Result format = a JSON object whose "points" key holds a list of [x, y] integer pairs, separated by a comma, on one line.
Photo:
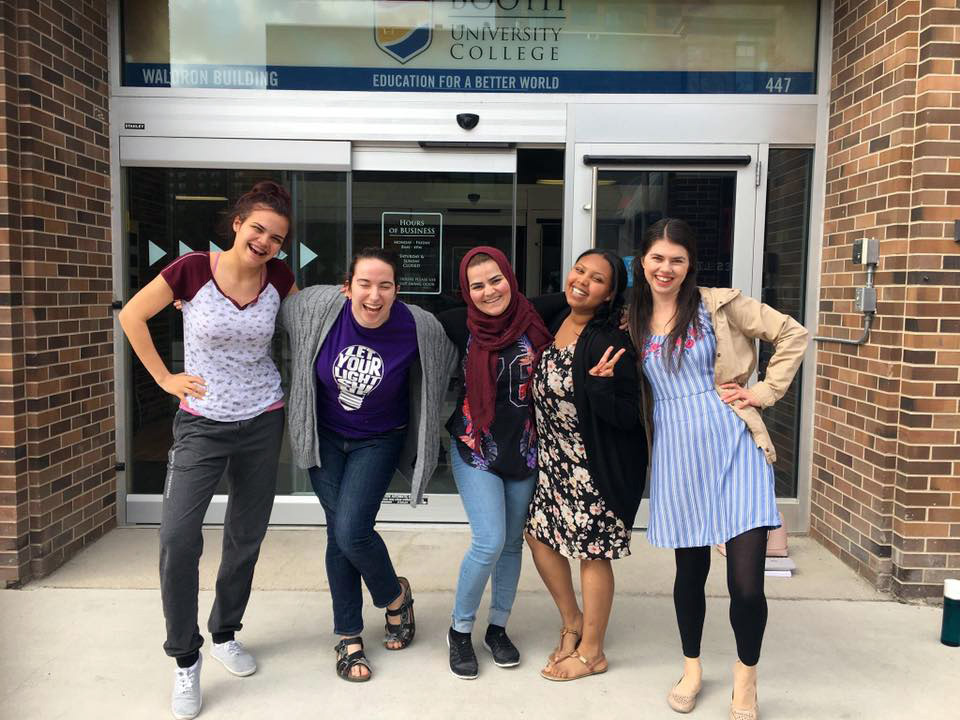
{"points": [[307, 316]]}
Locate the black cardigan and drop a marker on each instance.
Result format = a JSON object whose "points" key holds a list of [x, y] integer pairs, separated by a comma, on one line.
{"points": [[609, 419]]}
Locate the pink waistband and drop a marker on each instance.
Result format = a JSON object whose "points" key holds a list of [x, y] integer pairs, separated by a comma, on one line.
{"points": [[183, 406]]}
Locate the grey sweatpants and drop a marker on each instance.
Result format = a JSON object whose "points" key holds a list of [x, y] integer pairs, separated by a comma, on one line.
{"points": [[200, 453]]}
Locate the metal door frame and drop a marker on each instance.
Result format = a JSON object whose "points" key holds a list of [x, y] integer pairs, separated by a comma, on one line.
{"points": [[749, 161]]}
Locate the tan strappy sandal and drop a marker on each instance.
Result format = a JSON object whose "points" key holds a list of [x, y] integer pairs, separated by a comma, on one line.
{"points": [[591, 665], [555, 655]]}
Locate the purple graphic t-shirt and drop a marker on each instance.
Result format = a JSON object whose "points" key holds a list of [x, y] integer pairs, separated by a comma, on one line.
{"points": [[363, 386]]}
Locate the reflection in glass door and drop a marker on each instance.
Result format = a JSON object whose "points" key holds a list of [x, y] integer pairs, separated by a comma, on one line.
{"points": [[173, 211], [786, 238], [716, 194], [432, 219], [630, 201]]}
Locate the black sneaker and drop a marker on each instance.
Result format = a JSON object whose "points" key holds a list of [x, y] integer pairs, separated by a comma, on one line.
{"points": [[463, 660], [505, 653]]}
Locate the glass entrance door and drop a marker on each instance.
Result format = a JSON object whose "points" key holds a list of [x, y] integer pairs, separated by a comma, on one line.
{"points": [[175, 192], [714, 188], [432, 207], [173, 211]]}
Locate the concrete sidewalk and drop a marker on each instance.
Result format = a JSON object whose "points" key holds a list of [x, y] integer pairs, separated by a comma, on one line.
{"points": [[85, 642]]}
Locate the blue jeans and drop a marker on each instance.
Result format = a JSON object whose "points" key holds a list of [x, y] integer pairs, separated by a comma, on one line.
{"points": [[497, 510], [350, 483]]}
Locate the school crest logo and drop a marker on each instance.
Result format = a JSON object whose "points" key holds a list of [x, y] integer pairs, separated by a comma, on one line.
{"points": [[403, 28]]}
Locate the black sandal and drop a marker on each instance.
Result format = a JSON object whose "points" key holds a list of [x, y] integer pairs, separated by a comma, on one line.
{"points": [[346, 662], [403, 631]]}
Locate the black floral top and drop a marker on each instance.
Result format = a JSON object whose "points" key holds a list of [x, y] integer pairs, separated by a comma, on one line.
{"points": [[567, 511]]}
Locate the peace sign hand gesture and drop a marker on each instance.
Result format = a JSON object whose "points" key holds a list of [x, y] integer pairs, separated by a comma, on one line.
{"points": [[604, 367]]}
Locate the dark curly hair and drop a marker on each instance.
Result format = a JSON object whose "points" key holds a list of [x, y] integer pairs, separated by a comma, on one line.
{"points": [[609, 314]]}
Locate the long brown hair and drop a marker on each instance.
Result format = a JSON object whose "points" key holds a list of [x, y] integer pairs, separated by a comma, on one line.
{"points": [[688, 299]]}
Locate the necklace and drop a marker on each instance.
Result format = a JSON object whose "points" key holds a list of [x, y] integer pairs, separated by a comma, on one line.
{"points": [[575, 328]]}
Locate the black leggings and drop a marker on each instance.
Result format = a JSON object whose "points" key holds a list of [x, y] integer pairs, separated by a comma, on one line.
{"points": [[748, 605]]}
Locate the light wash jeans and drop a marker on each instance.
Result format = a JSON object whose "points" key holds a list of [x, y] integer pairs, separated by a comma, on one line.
{"points": [[497, 510]]}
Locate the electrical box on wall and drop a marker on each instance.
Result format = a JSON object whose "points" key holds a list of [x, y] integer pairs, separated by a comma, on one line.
{"points": [[865, 299], [866, 251]]}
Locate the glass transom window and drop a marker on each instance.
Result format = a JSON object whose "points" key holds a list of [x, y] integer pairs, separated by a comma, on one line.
{"points": [[521, 46]]}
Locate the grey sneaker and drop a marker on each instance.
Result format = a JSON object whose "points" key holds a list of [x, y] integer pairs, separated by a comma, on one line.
{"points": [[187, 698], [234, 657]]}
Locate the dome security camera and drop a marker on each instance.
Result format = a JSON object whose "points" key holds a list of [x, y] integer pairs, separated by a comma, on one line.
{"points": [[468, 121]]}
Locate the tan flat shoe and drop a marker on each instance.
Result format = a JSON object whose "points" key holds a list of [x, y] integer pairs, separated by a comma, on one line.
{"points": [[754, 712], [682, 703], [737, 714]]}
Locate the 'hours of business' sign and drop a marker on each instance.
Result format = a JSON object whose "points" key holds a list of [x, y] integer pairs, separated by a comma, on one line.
{"points": [[418, 239]]}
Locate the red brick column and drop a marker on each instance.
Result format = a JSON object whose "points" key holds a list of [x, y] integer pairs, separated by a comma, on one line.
{"points": [[926, 524], [57, 478], [886, 423], [14, 511]]}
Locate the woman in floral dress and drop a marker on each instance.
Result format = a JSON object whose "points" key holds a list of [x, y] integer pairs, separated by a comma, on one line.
{"points": [[592, 461]]}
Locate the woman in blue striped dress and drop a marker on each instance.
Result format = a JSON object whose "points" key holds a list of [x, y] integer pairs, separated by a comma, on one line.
{"points": [[711, 473]]}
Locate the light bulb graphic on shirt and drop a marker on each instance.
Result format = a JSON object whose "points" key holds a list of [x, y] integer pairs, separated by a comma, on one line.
{"points": [[357, 371]]}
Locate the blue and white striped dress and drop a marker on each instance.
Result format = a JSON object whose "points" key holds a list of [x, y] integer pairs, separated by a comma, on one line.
{"points": [[709, 480]]}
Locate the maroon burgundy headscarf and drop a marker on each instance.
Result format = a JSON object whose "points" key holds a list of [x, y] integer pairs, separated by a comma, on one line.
{"points": [[489, 335]]}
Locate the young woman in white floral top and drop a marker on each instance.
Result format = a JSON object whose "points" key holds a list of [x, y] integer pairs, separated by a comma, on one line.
{"points": [[230, 411]]}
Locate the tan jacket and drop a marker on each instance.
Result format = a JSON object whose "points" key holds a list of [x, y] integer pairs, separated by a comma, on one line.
{"points": [[738, 321]]}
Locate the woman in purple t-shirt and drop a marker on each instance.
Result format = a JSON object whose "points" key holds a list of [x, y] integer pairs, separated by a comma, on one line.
{"points": [[369, 373], [230, 411]]}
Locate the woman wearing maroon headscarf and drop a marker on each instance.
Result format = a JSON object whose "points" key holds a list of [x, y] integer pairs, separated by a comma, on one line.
{"points": [[493, 444]]}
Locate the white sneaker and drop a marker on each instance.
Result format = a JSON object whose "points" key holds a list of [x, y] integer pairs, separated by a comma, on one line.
{"points": [[234, 657], [187, 697]]}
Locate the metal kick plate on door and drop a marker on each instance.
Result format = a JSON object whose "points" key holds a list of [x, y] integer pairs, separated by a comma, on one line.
{"points": [[397, 498]]}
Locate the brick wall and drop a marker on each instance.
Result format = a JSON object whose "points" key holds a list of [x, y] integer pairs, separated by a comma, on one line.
{"points": [[885, 487], [57, 482]]}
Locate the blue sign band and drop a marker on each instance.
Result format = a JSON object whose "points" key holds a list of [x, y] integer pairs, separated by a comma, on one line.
{"points": [[287, 77]]}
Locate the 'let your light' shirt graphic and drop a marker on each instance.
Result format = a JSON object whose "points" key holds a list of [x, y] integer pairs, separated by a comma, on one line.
{"points": [[363, 386], [357, 371]]}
